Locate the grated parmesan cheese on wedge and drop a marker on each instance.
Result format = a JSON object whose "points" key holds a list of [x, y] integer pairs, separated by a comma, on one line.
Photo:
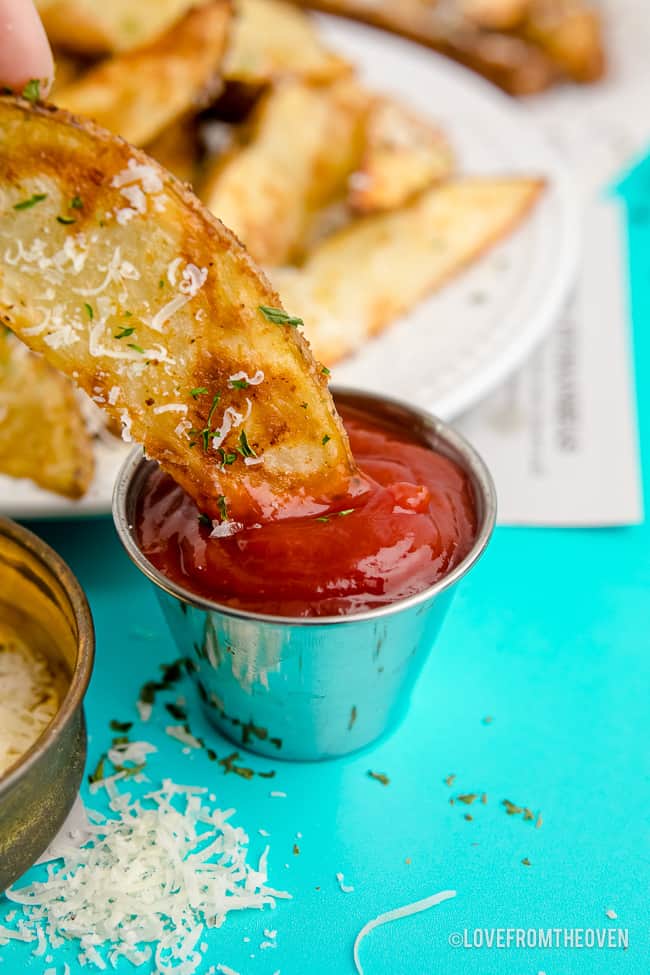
{"points": [[181, 867], [29, 698]]}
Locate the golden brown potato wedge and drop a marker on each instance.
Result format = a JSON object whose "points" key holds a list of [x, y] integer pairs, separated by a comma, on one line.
{"points": [[94, 27], [177, 149], [515, 64], [571, 34], [404, 154], [42, 432], [368, 274], [303, 145], [158, 312], [140, 93], [271, 40]]}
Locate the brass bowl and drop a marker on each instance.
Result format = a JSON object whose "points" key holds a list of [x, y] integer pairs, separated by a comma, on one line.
{"points": [[43, 602]]}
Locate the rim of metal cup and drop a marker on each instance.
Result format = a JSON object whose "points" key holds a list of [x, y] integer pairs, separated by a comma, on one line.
{"points": [[446, 440], [80, 677]]}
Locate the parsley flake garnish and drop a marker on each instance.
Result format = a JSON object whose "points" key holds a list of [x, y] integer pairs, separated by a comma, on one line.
{"points": [[136, 348], [223, 507], [239, 384], [32, 90], [76, 203], [323, 518], [280, 317], [161, 283], [98, 774], [325, 371], [66, 220], [197, 391], [31, 201], [121, 726], [124, 333], [245, 448], [326, 439], [89, 310], [348, 511]]}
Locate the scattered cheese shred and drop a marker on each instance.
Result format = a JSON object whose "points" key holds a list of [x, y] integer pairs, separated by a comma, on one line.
{"points": [[345, 888], [181, 867], [29, 698], [395, 915]]}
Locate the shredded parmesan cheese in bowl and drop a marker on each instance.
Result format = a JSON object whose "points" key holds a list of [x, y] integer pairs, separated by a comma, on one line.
{"points": [[29, 697]]}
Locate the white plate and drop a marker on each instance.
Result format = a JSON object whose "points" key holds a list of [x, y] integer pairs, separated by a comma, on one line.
{"points": [[458, 345]]}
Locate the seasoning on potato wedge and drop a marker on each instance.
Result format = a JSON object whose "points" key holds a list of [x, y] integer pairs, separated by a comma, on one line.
{"points": [[117, 274], [366, 275], [42, 432]]}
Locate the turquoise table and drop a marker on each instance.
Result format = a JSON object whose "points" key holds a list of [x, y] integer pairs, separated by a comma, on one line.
{"points": [[550, 638]]}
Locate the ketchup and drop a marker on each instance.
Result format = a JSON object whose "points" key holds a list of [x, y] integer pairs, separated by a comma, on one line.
{"points": [[412, 526]]}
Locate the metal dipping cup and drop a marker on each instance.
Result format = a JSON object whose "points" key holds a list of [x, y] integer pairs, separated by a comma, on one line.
{"points": [[312, 688]]}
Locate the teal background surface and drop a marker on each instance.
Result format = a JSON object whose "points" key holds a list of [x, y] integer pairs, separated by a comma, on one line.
{"points": [[550, 636]]}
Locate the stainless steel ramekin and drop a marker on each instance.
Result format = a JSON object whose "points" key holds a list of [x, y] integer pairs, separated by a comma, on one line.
{"points": [[311, 689], [43, 602]]}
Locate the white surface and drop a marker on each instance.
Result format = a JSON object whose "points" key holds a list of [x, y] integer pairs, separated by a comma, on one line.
{"points": [[460, 344], [560, 435]]}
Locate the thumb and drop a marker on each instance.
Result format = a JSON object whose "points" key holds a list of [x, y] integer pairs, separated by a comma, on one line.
{"points": [[24, 49]]}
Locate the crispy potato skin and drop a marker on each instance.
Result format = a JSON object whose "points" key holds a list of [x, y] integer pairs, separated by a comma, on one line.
{"points": [[72, 290], [140, 93], [363, 277], [302, 145], [42, 432]]}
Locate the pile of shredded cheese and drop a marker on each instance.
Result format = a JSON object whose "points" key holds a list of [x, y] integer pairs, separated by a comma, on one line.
{"points": [[28, 698], [147, 885]]}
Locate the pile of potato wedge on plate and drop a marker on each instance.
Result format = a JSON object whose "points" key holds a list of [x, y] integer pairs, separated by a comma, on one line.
{"points": [[325, 182]]}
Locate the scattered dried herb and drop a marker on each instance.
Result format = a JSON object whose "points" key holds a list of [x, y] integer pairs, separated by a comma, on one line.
{"points": [[538, 824], [32, 90], [296, 850], [526, 862], [510, 807], [379, 777], [66, 220], [450, 780], [484, 798], [30, 201], [176, 711], [280, 317], [98, 774], [488, 719], [121, 726], [353, 717], [468, 816], [468, 798]]}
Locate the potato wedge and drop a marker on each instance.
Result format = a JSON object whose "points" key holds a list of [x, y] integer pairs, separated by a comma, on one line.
{"points": [[571, 34], [95, 27], [271, 40], [157, 311], [404, 154], [42, 433], [514, 63], [177, 149], [140, 93], [304, 143], [365, 276]]}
